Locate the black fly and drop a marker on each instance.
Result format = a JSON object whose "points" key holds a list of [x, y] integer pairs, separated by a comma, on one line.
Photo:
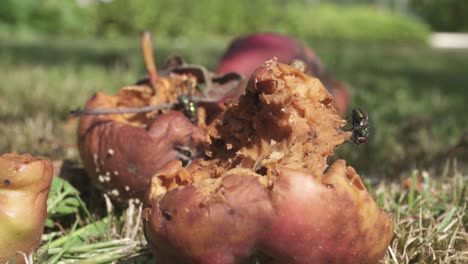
{"points": [[360, 126]]}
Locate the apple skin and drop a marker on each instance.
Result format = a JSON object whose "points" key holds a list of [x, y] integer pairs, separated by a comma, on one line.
{"points": [[24, 186], [121, 157], [300, 220], [265, 193], [334, 220], [188, 226], [245, 53]]}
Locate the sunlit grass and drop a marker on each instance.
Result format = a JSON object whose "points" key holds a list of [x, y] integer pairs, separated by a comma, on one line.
{"points": [[414, 96], [430, 223], [429, 213]]}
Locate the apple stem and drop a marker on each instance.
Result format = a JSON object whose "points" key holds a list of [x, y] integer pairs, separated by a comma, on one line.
{"points": [[147, 49]]}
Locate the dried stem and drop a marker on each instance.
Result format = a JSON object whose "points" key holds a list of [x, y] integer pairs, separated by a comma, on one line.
{"points": [[114, 111], [147, 49], [142, 109]]}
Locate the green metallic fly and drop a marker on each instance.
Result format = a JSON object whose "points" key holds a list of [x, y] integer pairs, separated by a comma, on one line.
{"points": [[360, 126], [189, 107]]}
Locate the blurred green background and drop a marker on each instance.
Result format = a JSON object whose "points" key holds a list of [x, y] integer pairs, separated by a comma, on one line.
{"points": [[55, 54]]}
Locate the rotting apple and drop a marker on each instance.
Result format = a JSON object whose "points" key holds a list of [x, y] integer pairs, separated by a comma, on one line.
{"points": [[246, 53], [265, 193], [122, 151], [24, 187]]}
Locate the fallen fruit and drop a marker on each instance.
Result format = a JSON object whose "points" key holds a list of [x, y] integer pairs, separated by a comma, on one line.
{"points": [[265, 193], [24, 186], [245, 53], [122, 151]]}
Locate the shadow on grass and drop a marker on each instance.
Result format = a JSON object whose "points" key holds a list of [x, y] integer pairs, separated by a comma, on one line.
{"points": [[105, 53], [45, 53]]}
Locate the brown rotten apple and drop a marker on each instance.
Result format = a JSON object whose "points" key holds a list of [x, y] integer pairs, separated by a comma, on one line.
{"points": [[159, 120], [24, 186], [121, 152], [261, 194], [245, 53]]}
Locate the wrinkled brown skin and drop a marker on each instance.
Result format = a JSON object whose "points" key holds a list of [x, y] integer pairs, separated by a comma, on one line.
{"points": [[121, 157], [24, 186], [263, 195]]}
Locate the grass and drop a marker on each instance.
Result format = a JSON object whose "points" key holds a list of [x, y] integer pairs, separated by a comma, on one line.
{"points": [[430, 222], [414, 95], [430, 219]]}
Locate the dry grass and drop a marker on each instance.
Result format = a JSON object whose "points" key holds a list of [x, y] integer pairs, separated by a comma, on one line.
{"points": [[431, 224], [414, 100]]}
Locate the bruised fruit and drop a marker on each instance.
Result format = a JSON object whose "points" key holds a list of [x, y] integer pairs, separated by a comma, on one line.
{"points": [[264, 193], [24, 186], [124, 139], [246, 53], [332, 221], [121, 152]]}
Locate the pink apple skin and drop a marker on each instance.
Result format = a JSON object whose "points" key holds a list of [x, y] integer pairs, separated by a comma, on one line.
{"points": [[246, 53]]}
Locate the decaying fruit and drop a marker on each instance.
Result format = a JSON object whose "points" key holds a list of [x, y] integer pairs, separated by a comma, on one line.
{"points": [[246, 53], [264, 193], [24, 186], [122, 151]]}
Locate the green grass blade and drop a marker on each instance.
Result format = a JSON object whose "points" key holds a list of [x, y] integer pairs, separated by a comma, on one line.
{"points": [[442, 225]]}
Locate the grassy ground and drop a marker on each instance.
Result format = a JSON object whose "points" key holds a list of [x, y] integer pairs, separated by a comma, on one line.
{"points": [[415, 97]]}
